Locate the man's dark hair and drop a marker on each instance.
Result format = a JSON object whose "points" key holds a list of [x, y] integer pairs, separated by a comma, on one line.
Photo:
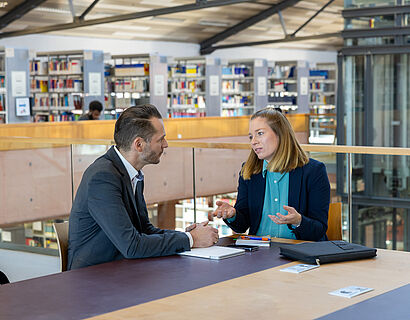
{"points": [[95, 105], [135, 122]]}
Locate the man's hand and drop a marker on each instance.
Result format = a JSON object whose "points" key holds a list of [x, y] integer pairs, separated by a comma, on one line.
{"points": [[224, 210], [204, 235], [293, 217], [194, 225]]}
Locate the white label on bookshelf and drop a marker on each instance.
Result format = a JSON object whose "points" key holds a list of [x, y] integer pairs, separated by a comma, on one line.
{"points": [[258, 63], [18, 83], [302, 64], [6, 236], [9, 52], [107, 56], [22, 107], [32, 54], [159, 86], [214, 85], [262, 84], [94, 83], [88, 55], [37, 226], [210, 61], [304, 84]]}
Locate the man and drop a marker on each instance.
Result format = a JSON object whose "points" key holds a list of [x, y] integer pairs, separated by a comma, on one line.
{"points": [[94, 111], [109, 218]]}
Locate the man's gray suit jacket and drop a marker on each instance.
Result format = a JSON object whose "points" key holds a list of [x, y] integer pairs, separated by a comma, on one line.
{"points": [[107, 222]]}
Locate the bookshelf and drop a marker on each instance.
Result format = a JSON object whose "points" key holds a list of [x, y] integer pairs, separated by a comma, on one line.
{"points": [[238, 96], [193, 87], [64, 83], [244, 87], [38, 234], [135, 79], [322, 103], [3, 90], [288, 86], [14, 85], [184, 212], [187, 87]]}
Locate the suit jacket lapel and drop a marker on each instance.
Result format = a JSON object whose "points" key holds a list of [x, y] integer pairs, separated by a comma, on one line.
{"points": [[295, 183], [133, 213], [259, 196]]}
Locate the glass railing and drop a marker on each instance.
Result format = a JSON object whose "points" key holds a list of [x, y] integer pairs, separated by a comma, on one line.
{"points": [[39, 178]]}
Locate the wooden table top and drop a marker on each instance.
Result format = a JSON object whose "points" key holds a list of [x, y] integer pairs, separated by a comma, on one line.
{"points": [[176, 287], [280, 295]]}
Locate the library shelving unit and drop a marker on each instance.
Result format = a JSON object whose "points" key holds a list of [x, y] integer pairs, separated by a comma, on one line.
{"points": [[184, 213], [38, 234], [3, 91], [14, 85], [193, 87], [238, 94], [322, 103], [288, 86], [135, 79], [64, 83]]}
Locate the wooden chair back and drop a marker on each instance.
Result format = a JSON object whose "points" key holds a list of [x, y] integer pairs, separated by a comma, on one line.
{"points": [[334, 221], [61, 229]]}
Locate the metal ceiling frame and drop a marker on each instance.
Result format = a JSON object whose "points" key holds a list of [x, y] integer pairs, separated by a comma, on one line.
{"points": [[258, 43], [311, 18], [131, 16], [18, 11], [86, 11], [207, 45]]}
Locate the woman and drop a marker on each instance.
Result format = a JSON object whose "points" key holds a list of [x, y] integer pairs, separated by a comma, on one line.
{"points": [[281, 192]]}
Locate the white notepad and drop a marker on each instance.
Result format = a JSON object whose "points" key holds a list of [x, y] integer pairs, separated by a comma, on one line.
{"points": [[214, 252]]}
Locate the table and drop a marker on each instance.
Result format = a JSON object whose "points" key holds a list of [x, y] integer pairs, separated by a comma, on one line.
{"points": [[247, 286]]}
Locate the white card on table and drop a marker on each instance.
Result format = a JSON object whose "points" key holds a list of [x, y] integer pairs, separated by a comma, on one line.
{"points": [[351, 291], [299, 268]]}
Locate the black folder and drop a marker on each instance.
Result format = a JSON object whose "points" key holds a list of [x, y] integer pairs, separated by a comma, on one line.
{"points": [[326, 251]]}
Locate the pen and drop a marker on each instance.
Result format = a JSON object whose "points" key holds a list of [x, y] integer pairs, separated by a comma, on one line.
{"points": [[255, 238]]}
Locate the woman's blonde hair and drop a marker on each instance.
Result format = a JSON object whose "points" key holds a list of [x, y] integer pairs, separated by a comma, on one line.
{"points": [[288, 155]]}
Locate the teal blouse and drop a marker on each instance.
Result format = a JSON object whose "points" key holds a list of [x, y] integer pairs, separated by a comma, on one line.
{"points": [[276, 196]]}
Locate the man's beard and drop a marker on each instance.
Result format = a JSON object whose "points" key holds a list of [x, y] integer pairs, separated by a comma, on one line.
{"points": [[150, 157]]}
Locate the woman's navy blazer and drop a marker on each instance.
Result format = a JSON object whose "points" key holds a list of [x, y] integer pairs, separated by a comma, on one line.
{"points": [[309, 194]]}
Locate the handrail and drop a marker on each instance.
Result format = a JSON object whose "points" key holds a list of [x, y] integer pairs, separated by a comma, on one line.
{"points": [[218, 145]]}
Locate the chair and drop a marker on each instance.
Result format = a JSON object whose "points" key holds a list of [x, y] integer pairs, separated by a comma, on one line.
{"points": [[61, 229], [334, 221]]}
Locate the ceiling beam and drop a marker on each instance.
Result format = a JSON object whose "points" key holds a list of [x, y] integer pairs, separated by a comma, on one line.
{"points": [[71, 5], [19, 11], [86, 11], [258, 43], [282, 23], [311, 18], [247, 23], [124, 17]]}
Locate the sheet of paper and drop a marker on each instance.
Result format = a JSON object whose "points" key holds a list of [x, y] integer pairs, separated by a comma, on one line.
{"points": [[94, 83], [18, 83], [351, 291], [299, 268]]}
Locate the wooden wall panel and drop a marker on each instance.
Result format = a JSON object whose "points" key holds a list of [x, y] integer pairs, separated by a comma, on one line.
{"points": [[34, 184]]}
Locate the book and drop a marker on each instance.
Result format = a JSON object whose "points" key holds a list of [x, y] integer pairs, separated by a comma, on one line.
{"points": [[299, 268], [252, 242], [350, 292], [214, 252]]}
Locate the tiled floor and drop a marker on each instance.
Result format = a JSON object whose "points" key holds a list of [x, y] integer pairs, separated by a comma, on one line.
{"points": [[19, 265]]}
